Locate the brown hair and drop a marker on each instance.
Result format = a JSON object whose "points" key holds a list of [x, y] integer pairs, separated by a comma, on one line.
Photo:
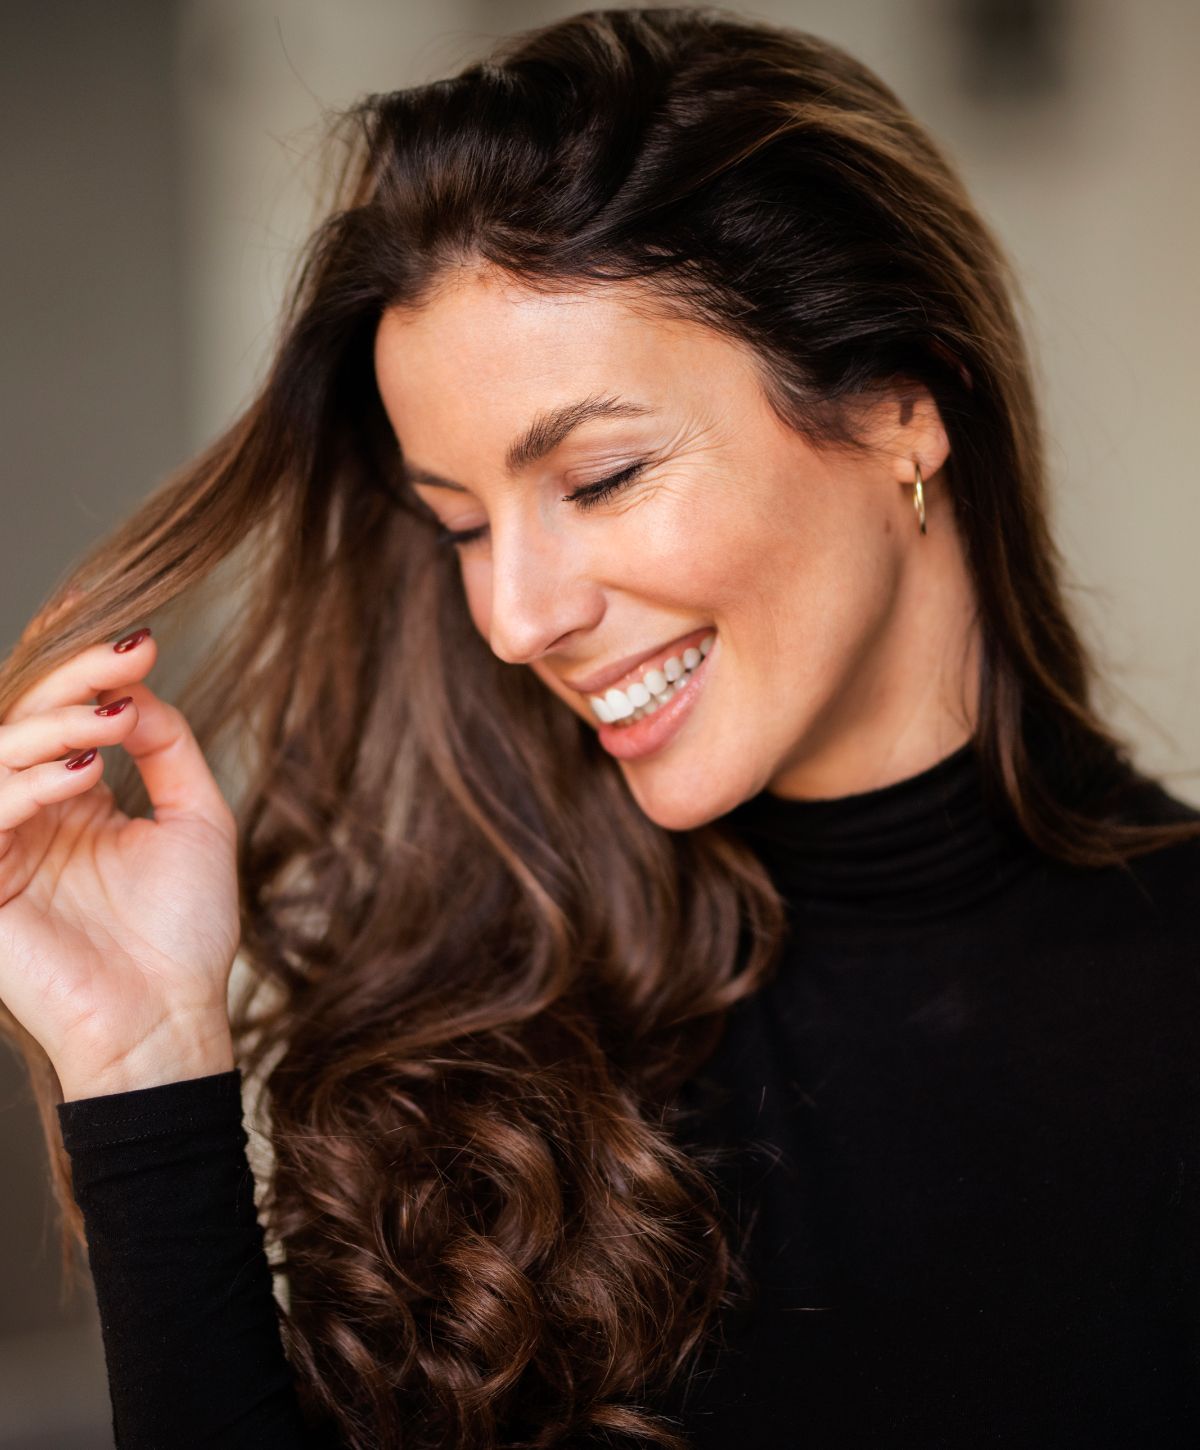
{"points": [[470, 1007]]}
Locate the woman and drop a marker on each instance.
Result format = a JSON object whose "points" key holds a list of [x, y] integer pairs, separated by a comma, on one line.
{"points": [[714, 978]]}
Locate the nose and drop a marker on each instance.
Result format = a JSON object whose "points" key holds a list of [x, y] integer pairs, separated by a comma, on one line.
{"points": [[543, 590]]}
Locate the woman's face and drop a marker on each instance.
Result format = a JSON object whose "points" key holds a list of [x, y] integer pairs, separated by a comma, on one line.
{"points": [[732, 545]]}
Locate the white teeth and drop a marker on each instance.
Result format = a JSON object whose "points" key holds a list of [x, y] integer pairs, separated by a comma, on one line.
{"points": [[653, 690], [618, 703]]}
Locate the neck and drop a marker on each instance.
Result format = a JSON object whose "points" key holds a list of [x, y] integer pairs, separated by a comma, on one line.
{"points": [[910, 852]]}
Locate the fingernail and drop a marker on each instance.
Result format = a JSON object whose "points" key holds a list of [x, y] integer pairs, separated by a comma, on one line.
{"points": [[114, 707], [77, 762], [130, 641]]}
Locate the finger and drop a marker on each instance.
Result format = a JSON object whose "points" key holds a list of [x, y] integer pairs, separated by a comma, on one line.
{"points": [[44, 737], [85, 675], [172, 765], [25, 792]]}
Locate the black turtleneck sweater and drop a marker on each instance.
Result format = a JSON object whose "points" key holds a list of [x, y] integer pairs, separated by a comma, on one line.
{"points": [[963, 1119]]}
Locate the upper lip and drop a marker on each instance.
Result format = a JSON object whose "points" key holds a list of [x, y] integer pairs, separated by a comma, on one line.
{"points": [[602, 679]]}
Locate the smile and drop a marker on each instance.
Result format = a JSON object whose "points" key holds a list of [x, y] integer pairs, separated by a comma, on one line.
{"points": [[652, 690]]}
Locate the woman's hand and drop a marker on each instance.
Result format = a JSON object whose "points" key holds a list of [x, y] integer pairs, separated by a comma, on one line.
{"points": [[117, 934]]}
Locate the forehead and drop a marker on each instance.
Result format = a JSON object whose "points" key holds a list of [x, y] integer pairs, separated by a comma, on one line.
{"points": [[488, 346]]}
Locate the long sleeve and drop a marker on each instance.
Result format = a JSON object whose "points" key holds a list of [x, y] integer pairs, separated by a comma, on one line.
{"points": [[187, 1312]]}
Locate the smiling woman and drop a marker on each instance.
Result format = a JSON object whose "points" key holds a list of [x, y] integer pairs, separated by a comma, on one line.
{"points": [[713, 976], [622, 530]]}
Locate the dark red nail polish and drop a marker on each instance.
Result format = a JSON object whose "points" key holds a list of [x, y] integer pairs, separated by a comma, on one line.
{"points": [[114, 707], [130, 641], [77, 762]]}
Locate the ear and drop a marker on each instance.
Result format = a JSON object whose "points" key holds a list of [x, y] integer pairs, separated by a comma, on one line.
{"points": [[909, 431]]}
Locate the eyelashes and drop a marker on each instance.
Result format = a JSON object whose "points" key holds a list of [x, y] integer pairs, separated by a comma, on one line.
{"points": [[594, 493], [587, 496], [451, 537]]}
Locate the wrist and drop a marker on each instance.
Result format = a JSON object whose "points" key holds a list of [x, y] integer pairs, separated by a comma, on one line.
{"points": [[175, 1051]]}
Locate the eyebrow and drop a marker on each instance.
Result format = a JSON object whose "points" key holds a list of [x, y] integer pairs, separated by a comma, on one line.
{"points": [[543, 436]]}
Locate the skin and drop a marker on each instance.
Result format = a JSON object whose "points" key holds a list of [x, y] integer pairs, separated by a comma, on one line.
{"points": [[117, 933], [847, 655]]}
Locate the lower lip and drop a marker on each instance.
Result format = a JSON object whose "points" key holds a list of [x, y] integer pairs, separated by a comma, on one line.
{"points": [[651, 732]]}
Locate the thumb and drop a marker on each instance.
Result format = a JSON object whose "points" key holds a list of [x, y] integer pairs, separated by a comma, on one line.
{"points": [[177, 777]]}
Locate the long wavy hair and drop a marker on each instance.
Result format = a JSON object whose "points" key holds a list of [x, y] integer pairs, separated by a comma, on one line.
{"points": [[475, 974]]}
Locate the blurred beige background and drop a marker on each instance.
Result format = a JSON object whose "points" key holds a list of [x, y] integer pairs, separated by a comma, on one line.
{"points": [[158, 175]]}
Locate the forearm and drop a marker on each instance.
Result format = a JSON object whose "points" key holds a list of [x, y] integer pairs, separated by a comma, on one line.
{"points": [[189, 1321]]}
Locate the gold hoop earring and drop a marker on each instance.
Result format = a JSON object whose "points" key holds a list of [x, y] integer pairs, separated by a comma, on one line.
{"points": [[919, 496]]}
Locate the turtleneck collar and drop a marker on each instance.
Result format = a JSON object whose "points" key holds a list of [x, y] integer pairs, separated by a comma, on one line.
{"points": [[917, 850]]}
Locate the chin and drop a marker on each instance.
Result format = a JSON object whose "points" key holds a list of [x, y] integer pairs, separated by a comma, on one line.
{"points": [[678, 805]]}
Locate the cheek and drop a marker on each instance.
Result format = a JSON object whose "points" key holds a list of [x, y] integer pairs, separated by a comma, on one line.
{"points": [[699, 548], [743, 553], [790, 567]]}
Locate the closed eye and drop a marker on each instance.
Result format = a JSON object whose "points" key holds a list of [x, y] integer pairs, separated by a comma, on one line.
{"points": [[587, 496], [594, 493]]}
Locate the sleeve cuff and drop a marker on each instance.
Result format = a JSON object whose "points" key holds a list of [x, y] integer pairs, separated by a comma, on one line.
{"points": [[213, 1101]]}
